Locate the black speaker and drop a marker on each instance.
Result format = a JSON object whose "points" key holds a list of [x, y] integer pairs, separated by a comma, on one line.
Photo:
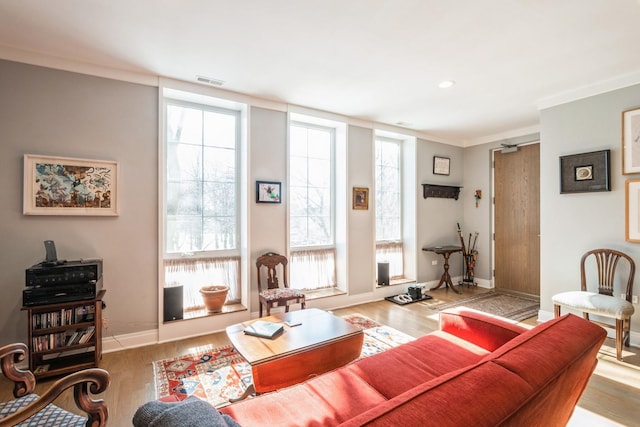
{"points": [[173, 299], [383, 274]]}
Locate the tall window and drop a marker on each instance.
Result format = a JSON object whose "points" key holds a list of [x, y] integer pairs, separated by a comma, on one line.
{"points": [[389, 205], [311, 220], [201, 199]]}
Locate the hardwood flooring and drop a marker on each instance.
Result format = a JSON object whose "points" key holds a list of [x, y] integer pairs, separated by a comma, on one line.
{"points": [[612, 397]]}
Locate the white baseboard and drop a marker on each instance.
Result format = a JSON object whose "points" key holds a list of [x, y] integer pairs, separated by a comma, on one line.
{"points": [[123, 342]]}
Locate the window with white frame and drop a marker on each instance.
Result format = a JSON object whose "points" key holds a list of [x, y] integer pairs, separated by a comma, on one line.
{"points": [[312, 260], [388, 204], [201, 203]]}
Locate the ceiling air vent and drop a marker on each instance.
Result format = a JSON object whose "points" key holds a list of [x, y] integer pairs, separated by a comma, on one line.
{"points": [[209, 80]]}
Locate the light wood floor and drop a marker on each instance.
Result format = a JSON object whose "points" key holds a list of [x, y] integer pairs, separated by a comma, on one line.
{"points": [[612, 397]]}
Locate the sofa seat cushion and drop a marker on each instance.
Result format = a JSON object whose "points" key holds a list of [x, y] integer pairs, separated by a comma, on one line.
{"points": [[416, 362], [598, 304], [477, 395], [326, 400]]}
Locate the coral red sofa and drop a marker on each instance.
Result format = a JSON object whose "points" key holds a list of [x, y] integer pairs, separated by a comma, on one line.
{"points": [[476, 370]]}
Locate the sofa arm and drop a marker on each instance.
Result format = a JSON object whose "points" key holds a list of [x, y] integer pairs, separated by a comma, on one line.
{"points": [[85, 383], [481, 329]]}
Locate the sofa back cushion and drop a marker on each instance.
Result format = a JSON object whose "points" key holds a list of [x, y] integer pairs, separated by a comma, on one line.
{"points": [[401, 368]]}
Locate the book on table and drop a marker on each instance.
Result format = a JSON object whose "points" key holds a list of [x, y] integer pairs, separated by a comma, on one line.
{"points": [[264, 329]]}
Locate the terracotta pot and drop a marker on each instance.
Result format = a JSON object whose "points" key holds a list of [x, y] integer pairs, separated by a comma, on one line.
{"points": [[214, 297]]}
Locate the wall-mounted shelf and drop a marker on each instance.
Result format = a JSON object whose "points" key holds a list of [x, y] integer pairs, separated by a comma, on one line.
{"points": [[442, 191]]}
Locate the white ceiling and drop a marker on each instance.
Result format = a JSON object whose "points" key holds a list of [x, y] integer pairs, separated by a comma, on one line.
{"points": [[376, 60]]}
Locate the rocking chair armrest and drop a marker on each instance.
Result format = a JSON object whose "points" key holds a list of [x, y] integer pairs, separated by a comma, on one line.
{"points": [[85, 383], [24, 381]]}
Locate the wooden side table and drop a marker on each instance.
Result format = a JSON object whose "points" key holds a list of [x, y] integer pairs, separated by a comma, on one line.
{"points": [[446, 252]]}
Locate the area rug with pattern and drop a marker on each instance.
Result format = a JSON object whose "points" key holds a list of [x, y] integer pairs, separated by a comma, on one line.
{"points": [[508, 306], [218, 374]]}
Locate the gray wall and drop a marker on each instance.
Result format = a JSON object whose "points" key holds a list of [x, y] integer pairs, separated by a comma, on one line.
{"points": [[437, 217], [572, 224], [50, 112]]}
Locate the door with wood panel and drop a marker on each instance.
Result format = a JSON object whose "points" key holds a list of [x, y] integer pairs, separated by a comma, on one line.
{"points": [[517, 220]]}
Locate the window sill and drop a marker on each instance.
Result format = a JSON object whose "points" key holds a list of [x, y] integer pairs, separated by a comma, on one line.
{"points": [[194, 314], [396, 282], [323, 293]]}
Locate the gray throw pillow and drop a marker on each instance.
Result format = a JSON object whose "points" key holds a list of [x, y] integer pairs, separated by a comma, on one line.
{"points": [[191, 412]]}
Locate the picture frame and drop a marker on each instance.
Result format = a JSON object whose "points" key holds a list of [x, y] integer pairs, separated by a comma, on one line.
{"points": [[441, 165], [631, 141], [632, 210], [585, 172], [360, 198], [70, 186], [268, 192]]}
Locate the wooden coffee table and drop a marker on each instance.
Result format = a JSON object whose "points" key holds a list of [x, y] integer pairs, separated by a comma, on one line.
{"points": [[321, 343]]}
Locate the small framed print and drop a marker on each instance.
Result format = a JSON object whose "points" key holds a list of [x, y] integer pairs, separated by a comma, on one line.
{"points": [[585, 172], [441, 165], [360, 198], [631, 141], [268, 192], [632, 210]]}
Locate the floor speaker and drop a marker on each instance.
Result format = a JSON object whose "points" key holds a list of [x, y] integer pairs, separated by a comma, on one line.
{"points": [[173, 298], [383, 274]]}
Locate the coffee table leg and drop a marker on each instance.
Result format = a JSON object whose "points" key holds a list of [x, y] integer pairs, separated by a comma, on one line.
{"points": [[248, 392]]}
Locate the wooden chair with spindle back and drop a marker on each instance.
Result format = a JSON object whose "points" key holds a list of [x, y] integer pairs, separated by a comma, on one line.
{"points": [[274, 295], [602, 301]]}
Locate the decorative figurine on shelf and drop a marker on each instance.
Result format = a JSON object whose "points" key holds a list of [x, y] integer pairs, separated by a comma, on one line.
{"points": [[478, 196]]}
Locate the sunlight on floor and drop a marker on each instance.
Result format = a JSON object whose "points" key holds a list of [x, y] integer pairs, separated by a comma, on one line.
{"points": [[626, 374], [199, 349], [582, 417]]}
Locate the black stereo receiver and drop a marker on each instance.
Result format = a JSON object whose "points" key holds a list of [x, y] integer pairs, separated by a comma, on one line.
{"points": [[64, 273], [43, 295]]}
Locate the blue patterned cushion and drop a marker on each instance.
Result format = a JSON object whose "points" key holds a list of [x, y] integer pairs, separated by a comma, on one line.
{"points": [[274, 294], [50, 416]]}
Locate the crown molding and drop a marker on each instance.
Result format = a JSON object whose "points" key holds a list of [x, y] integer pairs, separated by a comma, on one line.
{"points": [[598, 88]]}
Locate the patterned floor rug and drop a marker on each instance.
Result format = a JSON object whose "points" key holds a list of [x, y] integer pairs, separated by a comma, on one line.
{"points": [[219, 374], [510, 307]]}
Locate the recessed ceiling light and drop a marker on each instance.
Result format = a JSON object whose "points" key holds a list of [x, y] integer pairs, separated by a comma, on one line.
{"points": [[406, 124], [445, 84]]}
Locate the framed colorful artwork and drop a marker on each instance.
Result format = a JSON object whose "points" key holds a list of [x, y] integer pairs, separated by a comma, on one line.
{"points": [[70, 186]]}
